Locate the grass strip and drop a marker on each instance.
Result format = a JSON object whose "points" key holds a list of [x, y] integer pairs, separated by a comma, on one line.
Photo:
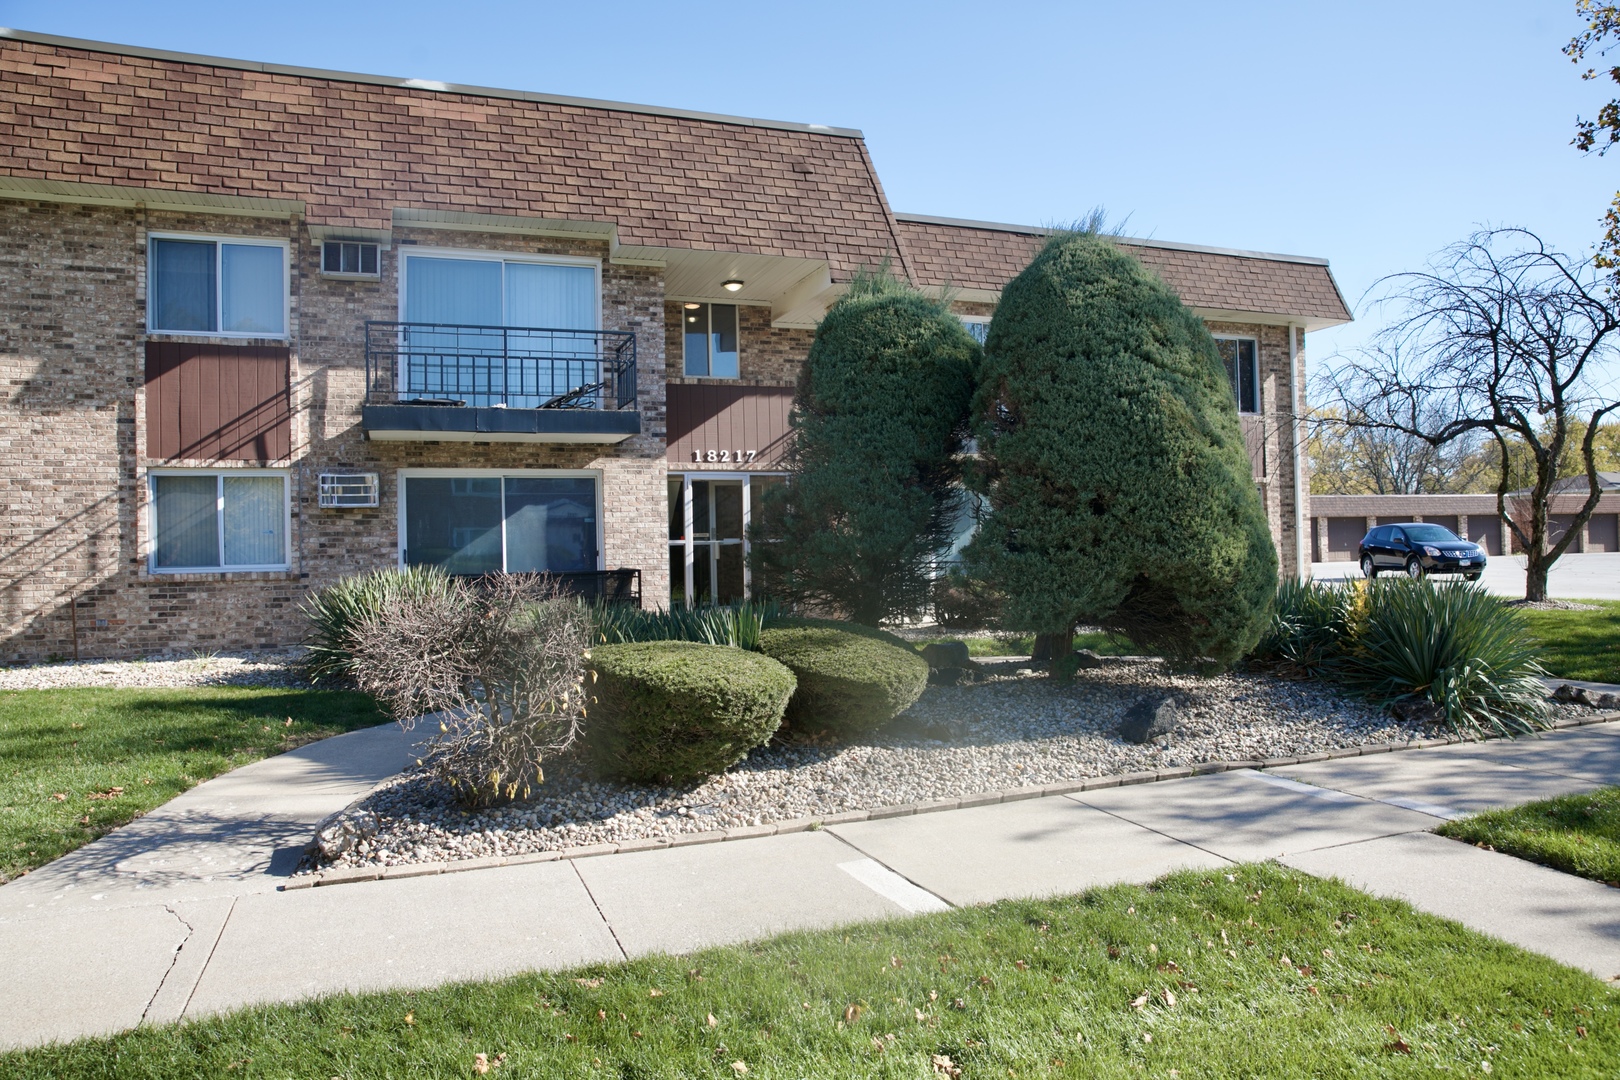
{"points": [[1258, 972], [1581, 645], [75, 764], [1021, 644], [1578, 834]]}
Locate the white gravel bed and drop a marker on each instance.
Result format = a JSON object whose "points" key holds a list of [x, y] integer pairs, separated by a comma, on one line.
{"points": [[1017, 729], [271, 668]]}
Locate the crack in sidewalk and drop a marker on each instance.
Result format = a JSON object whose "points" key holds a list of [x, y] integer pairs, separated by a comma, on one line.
{"points": [[174, 961]]}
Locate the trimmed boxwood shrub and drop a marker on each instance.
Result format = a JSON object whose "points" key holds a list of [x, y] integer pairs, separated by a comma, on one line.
{"points": [[873, 632], [675, 711], [849, 683]]}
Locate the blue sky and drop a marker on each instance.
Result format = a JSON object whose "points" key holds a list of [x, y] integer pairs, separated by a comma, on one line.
{"points": [[1370, 133]]}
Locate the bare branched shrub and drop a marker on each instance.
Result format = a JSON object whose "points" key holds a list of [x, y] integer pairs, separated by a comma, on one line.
{"points": [[497, 663]]}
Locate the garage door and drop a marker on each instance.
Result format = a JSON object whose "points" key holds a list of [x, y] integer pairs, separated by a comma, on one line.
{"points": [[1486, 531], [1557, 526], [1344, 536], [1445, 521], [1603, 533]]}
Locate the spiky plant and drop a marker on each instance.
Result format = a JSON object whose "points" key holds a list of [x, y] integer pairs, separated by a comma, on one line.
{"points": [[335, 611]]}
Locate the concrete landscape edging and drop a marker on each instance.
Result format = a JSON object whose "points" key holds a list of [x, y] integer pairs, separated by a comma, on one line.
{"points": [[345, 875]]}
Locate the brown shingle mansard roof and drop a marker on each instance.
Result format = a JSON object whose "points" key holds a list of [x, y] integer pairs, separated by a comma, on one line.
{"points": [[984, 256], [351, 148]]}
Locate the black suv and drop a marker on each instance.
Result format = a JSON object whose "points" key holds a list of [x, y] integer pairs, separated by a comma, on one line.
{"points": [[1417, 548]]}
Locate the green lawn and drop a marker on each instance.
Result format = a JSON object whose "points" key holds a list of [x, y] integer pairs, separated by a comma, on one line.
{"points": [[75, 764], [1579, 834], [1579, 644], [1266, 973], [1021, 644]]}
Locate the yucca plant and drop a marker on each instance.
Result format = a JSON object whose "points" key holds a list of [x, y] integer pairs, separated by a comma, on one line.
{"points": [[1453, 645], [335, 611], [1312, 625], [734, 625]]}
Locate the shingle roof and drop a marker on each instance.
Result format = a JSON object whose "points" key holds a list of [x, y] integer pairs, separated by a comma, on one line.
{"points": [[352, 148], [985, 256]]}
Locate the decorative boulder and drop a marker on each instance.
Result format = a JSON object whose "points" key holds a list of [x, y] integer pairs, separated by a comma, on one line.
{"points": [[1418, 710], [948, 662], [1150, 720], [342, 833], [1086, 658]]}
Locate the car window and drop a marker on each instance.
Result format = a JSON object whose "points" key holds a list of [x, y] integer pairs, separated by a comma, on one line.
{"points": [[1374, 536], [1431, 534], [1396, 535]]}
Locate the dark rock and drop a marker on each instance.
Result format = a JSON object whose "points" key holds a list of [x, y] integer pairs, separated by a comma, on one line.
{"points": [[1085, 658], [946, 655], [1418, 711], [946, 676], [1150, 720]]}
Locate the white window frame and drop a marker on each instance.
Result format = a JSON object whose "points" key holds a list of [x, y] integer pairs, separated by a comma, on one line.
{"points": [[1259, 383], [404, 252], [402, 475], [974, 320], [219, 285], [152, 476], [710, 333], [747, 478]]}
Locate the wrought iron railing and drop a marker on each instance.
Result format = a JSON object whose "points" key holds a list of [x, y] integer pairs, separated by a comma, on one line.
{"points": [[514, 367]]}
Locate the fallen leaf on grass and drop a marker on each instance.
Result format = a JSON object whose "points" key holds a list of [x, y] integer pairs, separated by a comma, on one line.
{"points": [[739, 1068], [655, 993], [851, 1012], [711, 1021], [110, 793], [589, 984], [1398, 1044], [1140, 1002], [483, 1063], [1021, 965], [1169, 998], [944, 1066], [410, 1019], [58, 796]]}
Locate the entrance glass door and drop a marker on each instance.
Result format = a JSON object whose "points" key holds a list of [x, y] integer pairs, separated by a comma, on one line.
{"points": [[706, 545]]}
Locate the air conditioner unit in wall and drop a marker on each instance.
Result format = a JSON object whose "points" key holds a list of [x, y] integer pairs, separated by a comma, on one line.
{"points": [[339, 491]]}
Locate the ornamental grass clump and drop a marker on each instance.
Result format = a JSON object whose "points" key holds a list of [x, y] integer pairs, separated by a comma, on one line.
{"points": [[677, 711], [497, 665], [333, 613], [1453, 646], [1312, 625], [736, 625]]}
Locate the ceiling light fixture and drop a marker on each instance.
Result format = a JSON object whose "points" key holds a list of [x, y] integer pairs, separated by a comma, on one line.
{"points": [[692, 307], [731, 286]]}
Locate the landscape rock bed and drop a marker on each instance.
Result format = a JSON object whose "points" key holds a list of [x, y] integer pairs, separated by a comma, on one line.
{"points": [[1017, 728], [277, 668]]}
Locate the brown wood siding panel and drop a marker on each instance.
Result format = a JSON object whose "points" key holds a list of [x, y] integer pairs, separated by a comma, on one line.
{"points": [[217, 402], [707, 416]]}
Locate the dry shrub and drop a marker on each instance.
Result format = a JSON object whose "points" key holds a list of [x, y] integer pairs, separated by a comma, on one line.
{"points": [[499, 663]]}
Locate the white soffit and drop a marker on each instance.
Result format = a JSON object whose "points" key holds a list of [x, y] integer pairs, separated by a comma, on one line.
{"points": [[697, 275], [19, 187]]}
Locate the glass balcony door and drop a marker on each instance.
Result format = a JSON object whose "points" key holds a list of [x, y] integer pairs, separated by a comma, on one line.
{"points": [[486, 524]]}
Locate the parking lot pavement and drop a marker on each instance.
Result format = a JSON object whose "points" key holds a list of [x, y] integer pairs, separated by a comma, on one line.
{"points": [[1574, 577]]}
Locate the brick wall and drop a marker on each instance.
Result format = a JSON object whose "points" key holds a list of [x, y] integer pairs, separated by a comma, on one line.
{"points": [[73, 470], [766, 355]]}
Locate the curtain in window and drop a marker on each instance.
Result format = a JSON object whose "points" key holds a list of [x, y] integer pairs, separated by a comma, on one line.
{"points": [[462, 291], [255, 521], [187, 530], [253, 290], [550, 296], [182, 285]]}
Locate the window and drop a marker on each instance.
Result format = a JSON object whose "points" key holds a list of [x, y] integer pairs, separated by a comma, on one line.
{"points": [[232, 520], [710, 334], [349, 257], [484, 291], [1241, 357], [225, 287], [977, 325], [483, 524], [708, 563]]}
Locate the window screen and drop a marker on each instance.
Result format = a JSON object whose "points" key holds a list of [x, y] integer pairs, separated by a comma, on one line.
{"points": [[1240, 357], [214, 286], [219, 521]]}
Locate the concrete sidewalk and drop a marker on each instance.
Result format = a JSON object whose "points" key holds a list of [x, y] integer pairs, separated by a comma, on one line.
{"points": [[186, 939]]}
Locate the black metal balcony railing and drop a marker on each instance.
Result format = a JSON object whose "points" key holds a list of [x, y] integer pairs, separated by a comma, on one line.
{"points": [[513, 367]]}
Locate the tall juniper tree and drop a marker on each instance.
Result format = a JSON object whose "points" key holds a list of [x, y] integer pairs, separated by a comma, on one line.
{"points": [[879, 416], [1120, 491]]}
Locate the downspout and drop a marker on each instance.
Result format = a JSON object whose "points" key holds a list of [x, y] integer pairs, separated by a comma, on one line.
{"points": [[1302, 567]]}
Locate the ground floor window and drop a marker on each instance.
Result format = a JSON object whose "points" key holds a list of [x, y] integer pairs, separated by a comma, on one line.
{"points": [[709, 517], [473, 522], [234, 519]]}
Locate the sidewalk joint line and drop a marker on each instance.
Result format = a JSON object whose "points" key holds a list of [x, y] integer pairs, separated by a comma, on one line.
{"points": [[614, 934], [868, 855], [174, 962], [223, 923]]}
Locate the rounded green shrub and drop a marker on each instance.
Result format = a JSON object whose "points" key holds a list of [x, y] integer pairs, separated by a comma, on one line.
{"points": [[1120, 491], [849, 683], [676, 711]]}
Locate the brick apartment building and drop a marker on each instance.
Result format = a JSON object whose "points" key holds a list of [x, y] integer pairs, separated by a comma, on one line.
{"points": [[266, 326]]}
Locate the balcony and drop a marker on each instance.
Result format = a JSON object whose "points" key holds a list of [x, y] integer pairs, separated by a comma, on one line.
{"points": [[449, 383]]}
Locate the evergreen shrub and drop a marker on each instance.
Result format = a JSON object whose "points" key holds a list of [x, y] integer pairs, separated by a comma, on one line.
{"points": [[849, 684], [879, 416], [677, 711], [1121, 494]]}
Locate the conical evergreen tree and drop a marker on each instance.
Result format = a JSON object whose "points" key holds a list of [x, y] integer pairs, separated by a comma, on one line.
{"points": [[880, 415], [1120, 491]]}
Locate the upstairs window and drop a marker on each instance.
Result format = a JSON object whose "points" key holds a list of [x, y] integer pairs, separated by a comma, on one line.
{"points": [[976, 325], [1242, 359], [710, 334], [231, 288]]}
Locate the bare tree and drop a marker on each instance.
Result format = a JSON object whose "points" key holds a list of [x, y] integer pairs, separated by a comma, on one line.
{"points": [[1352, 457], [1504, 339]]}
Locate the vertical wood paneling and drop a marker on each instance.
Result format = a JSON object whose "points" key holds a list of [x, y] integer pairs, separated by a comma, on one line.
{"points": [[217, 402], [708, 416]]}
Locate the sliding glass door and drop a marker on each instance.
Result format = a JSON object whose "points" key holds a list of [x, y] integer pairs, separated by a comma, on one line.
{"points": [[492, 330], [485, 524]]}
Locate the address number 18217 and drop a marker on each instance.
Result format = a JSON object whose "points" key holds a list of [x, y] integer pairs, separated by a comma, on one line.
{"points": [[725, 457]]}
